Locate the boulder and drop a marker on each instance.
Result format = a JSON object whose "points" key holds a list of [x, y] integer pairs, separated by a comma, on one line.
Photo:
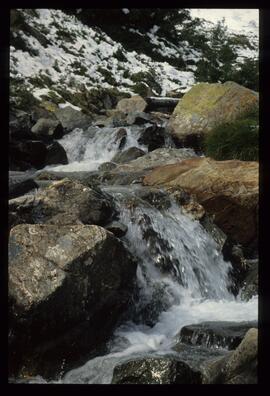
{"points": [[35, 154], [56, 154], [216, 334], [107, 166], [71, 118], [250, 283], [114, 118], [121, 138], [239, 366], [128, 155], [19, 183], [155, 158], [20, 125], [154, 137], [64, 202], [206, 106], [129, 105], [138, 118], [155, 370], [226, 189], [75, 276], [48, 128], [42, 112]]}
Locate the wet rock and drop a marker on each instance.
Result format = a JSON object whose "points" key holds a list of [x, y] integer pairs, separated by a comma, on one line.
{"points": [[117, 228], [226, 189], [193, 210], [121, 138], [47, 128], [56, 154], [216, 334], [19, 183], [135, 103], [155, 370], [64, 202], [114, 118], [206, 106], [216, 233], [71, 118], [238, 367], [107, 166], [250, 282], [154, 196], [128, 155], [153, 137], [75, 276]]}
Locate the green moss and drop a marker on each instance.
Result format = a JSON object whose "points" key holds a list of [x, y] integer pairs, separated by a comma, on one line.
{"points": [[237, 140], [107, 75], [19, 96]]}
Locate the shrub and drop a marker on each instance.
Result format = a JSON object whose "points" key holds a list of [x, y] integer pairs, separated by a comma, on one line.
{"points": [[236, 140]]}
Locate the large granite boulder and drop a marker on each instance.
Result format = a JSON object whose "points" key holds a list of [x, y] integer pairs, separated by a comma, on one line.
{"points": [[155, 370], [226, 189], [63, 202], [63, 282], [206, 106], [129, 105]]}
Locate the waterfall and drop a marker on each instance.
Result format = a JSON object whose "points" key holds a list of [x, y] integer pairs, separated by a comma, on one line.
{"points": [[192, 287]]}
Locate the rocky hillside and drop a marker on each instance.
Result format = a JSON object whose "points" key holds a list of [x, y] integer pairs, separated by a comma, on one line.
{"points": [[82, 56]]}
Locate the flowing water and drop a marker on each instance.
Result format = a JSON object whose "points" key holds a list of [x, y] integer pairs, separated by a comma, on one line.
{"points": [[181, 275]]}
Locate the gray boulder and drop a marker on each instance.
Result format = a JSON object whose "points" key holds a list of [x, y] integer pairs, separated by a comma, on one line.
{"points": [[62, 203], [19, 183], [155, 370], [48, 128], [128, 155], [75, 276], [71, 118]]}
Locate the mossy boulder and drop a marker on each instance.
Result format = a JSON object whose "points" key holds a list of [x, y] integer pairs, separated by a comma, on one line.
{"points": [[205, 106]]}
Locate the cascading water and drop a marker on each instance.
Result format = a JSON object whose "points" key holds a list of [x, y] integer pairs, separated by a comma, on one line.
{"points": [[86, 150], [181, 275]]}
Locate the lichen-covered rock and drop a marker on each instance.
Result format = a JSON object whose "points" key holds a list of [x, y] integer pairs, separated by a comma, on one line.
{"points": [[206, 106], [129, 105], [62, 203], [63, 281], [226, 189], [155, 370]]}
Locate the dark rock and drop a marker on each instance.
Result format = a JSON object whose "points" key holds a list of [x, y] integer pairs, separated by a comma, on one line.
{"points": [[155, 370], [121, 138], [160, 199], [250, 283], [56, 154], [153, 137], [107, 166], [117, 228], [48, 128], [217, 234], [64, 202], [216, 334], [41, 112], [75, 276], [20, 125], [71, 118], [35, 154], [128, 155], [27, 154], [19, 183]]}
